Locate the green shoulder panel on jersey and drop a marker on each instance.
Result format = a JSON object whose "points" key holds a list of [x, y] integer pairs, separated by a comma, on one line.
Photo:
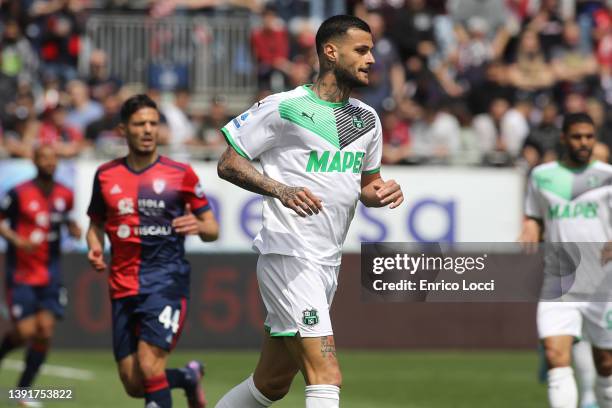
{"points": [[307, 113], [232, 143], [555, 179]]}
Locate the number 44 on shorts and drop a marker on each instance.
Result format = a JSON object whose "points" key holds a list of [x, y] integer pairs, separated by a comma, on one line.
{"points": [[169, 319]]}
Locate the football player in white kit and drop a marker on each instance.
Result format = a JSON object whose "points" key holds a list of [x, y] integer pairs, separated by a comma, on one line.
{"points": [[320, 151], [570, 200]]}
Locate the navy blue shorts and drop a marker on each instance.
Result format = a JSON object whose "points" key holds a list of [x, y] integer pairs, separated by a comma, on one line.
{"points": [[24, 300], [155, 318]]}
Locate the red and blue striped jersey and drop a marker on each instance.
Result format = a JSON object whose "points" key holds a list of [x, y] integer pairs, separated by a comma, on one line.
{"points": [[38, 218], [137, 209]]}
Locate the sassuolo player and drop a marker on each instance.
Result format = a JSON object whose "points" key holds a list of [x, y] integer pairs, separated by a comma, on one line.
{"points": [[320, 151], [569, 201]]}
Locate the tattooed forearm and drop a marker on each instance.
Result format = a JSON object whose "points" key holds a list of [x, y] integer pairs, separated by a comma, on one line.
{"points": [[239, 171], [328, 347]]}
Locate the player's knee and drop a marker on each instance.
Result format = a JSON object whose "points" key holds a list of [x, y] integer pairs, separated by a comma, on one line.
{"points": [[557, 357], [275, 388], [45, 333], [150, 367], [133, 387], [25, 333]]}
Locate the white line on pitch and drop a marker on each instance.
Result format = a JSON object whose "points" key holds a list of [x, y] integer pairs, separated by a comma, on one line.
{"points": [[53, 370]]}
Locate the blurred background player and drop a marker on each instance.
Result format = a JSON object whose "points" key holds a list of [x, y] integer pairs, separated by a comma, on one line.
{"points": [[36, 211], [147, 204], [321, 152], [556, 193]]}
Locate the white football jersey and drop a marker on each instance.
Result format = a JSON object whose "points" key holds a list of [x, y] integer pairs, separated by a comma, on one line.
{"points": [[303, 141]]}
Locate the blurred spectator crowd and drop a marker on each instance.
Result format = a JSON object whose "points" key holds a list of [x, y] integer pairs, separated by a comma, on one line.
{"points": [[466, 82]]}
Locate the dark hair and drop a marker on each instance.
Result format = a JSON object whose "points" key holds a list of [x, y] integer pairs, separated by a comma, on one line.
{"points": [[337, 26], [134, 104], [572, 118]]}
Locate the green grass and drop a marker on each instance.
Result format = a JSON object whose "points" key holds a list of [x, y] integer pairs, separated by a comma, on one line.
{"points": [[407, 379]]}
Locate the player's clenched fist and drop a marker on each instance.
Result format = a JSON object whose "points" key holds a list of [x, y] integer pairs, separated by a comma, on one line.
{"points": [[186, 224], [96, 260], [606, 253], [389, 193], [301, 200]]}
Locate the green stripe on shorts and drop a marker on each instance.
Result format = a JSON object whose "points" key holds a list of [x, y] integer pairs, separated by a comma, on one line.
{"points": [[279, 334]]}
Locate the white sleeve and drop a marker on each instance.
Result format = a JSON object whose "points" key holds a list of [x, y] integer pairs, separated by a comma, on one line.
{"points": [[532, 202], [373, 156], [256, 130]]}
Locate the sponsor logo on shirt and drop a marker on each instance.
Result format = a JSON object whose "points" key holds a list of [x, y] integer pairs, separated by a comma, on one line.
{"points": [[153, 230], [573, 210], [335, 162], [42, 219], [151, 207], [123, 231], [37, 236], [125, 206]]}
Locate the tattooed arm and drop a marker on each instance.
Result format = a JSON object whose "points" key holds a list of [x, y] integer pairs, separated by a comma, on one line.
{"points": [[239, 171]]}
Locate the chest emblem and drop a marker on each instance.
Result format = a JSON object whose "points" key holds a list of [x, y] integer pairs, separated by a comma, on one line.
{"points": [[159, 185]]}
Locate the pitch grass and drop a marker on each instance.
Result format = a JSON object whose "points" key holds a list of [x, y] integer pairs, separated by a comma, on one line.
{"points": [[385, 379]]}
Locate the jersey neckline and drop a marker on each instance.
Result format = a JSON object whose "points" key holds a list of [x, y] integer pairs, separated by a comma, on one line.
{"points": [[577, 169], [315, 98], [40, 190], [131, 170]]}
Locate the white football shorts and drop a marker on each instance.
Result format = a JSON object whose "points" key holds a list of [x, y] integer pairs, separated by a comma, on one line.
{"points": [[593, 320], [297, 295]]}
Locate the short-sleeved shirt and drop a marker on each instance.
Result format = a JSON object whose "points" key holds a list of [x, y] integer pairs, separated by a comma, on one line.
{"points": [[303, 141], [575, 207], [38, 217], [137, 209], [574, 204]]}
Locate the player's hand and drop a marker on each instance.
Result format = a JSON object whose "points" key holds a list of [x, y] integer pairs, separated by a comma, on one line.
{"points": [[96, 260], [301, 200], [24, 244], [606, 253], [186, 224], [389, 192], [530, 237]]}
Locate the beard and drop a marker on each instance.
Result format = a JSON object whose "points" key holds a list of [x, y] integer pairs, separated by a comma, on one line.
{"points": [[45, 175], [347, 79], [577, 158]]}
